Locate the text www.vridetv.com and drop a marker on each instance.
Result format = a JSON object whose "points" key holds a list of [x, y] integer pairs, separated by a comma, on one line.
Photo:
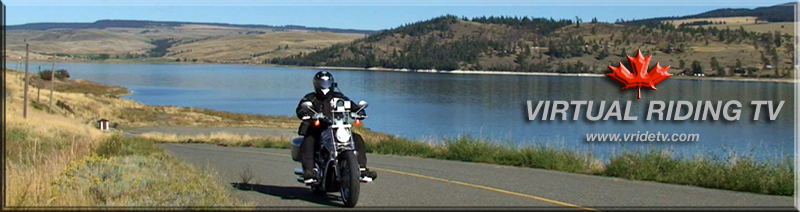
{"points": [[643, 137]]}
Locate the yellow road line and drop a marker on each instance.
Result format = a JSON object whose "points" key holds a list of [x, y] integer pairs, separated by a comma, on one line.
{"points": [[443, 180], [487, 188]]}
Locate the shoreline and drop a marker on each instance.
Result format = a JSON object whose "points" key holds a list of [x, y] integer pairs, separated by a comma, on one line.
{"points": [[433, 71], [732, 79]]}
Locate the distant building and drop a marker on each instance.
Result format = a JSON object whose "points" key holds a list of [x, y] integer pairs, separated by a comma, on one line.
{"points": [[103, 124]]}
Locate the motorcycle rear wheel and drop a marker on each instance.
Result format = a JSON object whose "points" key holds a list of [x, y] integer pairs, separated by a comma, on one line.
{"points": [[348, 179]]}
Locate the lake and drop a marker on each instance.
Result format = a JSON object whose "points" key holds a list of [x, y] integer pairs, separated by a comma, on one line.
{"points": [[435, 106]]}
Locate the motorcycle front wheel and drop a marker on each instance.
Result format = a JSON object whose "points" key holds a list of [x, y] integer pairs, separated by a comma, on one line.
{"points": [[348, 179]]}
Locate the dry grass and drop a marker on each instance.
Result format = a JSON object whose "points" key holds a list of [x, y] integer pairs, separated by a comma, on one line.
{"points": [[39, 147], [727, 20], [213, 43], [222, 139], [747, 22], [78, 86], [188, 116], [86, 41], [85, 107], [135, 172], [230, 137], [198, 26], [784, 27], [244, 47]]}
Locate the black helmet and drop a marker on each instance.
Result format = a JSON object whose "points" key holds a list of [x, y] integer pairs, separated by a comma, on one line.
{"points": [[323, 83]]}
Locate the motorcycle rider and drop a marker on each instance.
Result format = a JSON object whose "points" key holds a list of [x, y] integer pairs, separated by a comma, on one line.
{"points": [[323, 92]]}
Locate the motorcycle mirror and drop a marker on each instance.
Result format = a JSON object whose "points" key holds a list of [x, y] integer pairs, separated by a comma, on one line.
{"points": [[362, 103]]}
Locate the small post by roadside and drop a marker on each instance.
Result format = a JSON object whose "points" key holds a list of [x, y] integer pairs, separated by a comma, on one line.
{"points": [[27, 81], [52, 83]]}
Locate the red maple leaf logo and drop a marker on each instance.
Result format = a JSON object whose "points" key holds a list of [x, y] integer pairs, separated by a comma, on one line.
{"points": [[640, 77]]}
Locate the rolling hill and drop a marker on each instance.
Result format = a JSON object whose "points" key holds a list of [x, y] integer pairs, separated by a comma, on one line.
{"points": [[102, 24], [564, 46], [168, 41], [776, 13]]}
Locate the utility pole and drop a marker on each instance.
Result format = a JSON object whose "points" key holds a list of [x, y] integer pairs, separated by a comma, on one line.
{"points": [[52, 83], [39, 88], [27, 80]]}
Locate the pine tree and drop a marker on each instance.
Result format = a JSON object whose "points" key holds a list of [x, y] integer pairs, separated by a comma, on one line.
{"points": [[775, 60], [603, 54], [716, 66], [778, 40], [697, 68]]}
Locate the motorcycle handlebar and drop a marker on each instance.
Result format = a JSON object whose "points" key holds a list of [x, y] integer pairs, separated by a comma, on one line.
{"points": [[315, 117], [326, 119]]}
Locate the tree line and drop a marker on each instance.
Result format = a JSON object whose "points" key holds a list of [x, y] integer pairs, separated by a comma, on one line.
{"points": [[440, 51], [432, 44]]}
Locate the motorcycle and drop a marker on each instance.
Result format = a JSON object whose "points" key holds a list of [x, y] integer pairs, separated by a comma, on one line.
{"points": [[335, 161]]}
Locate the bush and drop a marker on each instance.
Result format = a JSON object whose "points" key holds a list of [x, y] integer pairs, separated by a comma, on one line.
{"points": [[60, 74], [120, 146]]}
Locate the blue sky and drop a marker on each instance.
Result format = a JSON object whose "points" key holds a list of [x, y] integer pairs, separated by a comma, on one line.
{"points": [[353, 14]]}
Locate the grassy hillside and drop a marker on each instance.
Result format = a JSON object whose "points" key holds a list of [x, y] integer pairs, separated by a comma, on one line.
{"points": [[565, 46], [749, 23], [777, 13], [72, 42], [102, 24], [190, 42], [61, 160], [257, 47]]}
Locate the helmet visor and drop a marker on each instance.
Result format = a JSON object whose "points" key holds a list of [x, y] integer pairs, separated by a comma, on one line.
{"points": [[324, 84]]}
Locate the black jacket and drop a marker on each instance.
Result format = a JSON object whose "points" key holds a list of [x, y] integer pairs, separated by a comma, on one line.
{"points": [[323, 104]]}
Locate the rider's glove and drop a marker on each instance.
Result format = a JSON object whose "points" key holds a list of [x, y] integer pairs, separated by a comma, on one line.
{"points": [[305, 112]]}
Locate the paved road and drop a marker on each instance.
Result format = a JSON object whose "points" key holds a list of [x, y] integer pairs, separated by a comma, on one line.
{"points": [[416, 182]]}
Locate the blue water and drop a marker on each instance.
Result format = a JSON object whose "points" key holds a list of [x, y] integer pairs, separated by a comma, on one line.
{"points": [[435, 106]]}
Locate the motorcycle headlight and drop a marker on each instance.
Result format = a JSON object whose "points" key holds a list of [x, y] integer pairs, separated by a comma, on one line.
{"points": [[343, 135], [339, 103]]}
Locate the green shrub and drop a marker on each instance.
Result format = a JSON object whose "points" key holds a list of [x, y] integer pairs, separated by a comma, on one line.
{"points": [[60, 74]]}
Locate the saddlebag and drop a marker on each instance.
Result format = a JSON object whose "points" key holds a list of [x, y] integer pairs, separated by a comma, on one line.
{"points": [[296, 148]]}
